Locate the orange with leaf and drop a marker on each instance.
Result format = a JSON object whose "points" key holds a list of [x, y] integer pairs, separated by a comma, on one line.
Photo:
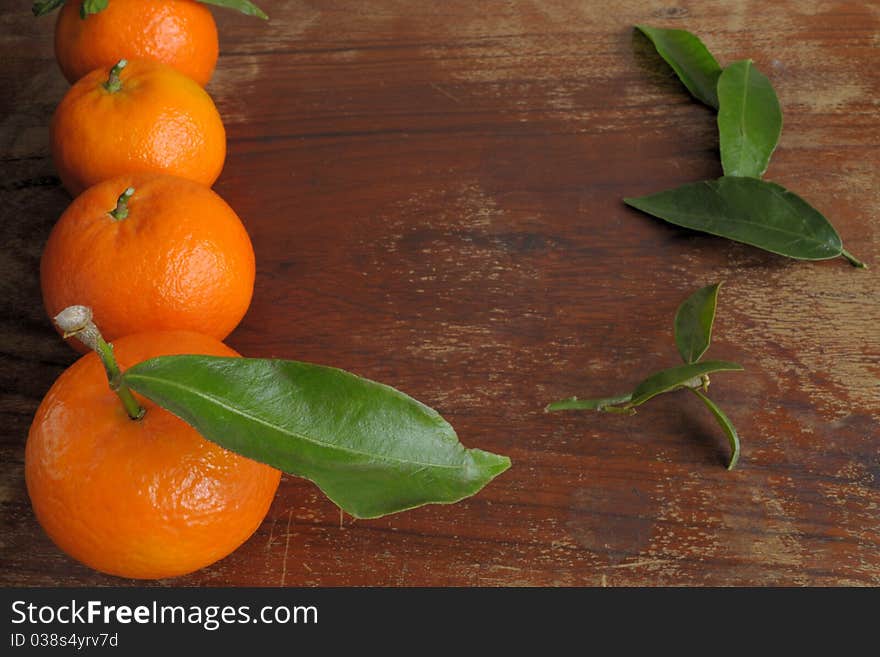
{"points": [[123, 485], [138, 494], [92, 34]]}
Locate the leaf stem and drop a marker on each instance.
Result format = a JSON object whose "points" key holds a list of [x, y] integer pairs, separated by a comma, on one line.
{"points": [[607, 404], [121, 210], [570, 404], [621, 410], [855, 262], [113, 83], [76, 321]]}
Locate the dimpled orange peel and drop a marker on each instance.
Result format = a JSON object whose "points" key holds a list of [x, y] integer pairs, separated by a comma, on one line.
{"points": [[150, 252], [137, 117], [180, 33]]}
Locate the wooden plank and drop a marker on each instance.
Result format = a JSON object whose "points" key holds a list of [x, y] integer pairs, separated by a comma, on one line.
{"points": [[433, 192]]}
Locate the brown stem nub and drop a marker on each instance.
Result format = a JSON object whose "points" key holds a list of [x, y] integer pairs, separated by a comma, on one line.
{"points": [[113, 83], [76, 321], [121, 211]]}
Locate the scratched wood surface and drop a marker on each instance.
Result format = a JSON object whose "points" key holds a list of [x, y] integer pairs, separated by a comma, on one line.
{"points": [[433, 192]]}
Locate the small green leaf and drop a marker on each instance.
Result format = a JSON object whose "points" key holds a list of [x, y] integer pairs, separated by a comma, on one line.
{"points": [[89, 7], [677, 377], [372, 449], [693, 323], [244, 6], [749, 120], [726, 424], [748, 210], [690, 59], [42, 7], [608, 404]]}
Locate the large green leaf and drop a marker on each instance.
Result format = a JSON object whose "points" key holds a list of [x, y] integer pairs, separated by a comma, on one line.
{"points": [[678, 377], [748, 210], [693, 323], [690, 59], [749, 120], [372, 449]]}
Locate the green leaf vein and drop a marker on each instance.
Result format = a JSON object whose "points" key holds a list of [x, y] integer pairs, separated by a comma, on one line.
{"points": [[173, 384]]}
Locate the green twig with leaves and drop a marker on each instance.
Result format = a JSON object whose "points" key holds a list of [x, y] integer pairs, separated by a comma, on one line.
{"points": [[738, 206], [693, 334]]}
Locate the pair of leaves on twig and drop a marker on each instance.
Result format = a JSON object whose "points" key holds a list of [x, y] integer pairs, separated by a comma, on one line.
{"points": [[749, 117], [693, 334], [738, 206]]}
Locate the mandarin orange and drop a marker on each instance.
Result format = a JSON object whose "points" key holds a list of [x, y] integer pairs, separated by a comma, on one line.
{"points": [[180, 33], [171, 254], [137, 117]]}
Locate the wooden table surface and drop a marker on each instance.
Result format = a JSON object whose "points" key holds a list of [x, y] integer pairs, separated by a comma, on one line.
{"points": [[433, 190]]}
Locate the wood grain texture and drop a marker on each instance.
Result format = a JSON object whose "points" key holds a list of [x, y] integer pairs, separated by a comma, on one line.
{"points": [[433, 192]]}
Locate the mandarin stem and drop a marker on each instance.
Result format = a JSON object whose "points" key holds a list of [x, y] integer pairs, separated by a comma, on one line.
{"points": [[114, 376], [113, 83], [121, 211], [76, 321]]}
